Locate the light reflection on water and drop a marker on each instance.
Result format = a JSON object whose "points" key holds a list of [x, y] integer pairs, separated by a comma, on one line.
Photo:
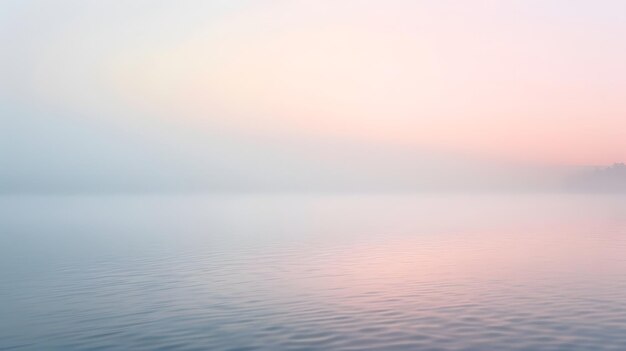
{"points": [[519, 272]]}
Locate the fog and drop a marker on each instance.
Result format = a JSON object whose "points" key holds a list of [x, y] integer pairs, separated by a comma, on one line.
{"points": [[48, 154], [240, 96]]}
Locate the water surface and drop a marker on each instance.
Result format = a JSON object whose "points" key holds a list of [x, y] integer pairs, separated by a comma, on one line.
{"points": [[305, 272]]}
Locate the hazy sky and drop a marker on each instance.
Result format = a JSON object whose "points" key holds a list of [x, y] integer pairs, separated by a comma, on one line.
{"points": [[231, 94]]}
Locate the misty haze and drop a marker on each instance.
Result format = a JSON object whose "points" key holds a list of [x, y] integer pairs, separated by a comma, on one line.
{"points": [[312, 175]]}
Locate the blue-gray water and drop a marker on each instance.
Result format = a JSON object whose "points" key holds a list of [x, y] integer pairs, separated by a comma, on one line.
{"points": [[289, 272]]}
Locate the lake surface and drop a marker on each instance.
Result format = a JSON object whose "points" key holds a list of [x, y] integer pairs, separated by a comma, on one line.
{"points": [[313, 272]]}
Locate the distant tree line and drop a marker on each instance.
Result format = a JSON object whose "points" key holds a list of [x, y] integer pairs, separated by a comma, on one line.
{"points": [[603, 179]]}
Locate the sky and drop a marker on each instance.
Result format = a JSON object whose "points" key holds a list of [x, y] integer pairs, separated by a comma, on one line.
{"points": [[239, 95]]}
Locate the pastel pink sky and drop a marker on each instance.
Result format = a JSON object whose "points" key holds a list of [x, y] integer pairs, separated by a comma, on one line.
{"points": [[522, 81]]}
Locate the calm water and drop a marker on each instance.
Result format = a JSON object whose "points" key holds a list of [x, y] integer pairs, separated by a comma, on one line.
{"points": [[313, 272]]}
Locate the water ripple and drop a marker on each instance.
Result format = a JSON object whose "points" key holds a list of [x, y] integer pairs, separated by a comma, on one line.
{"points": [[533, 284]]}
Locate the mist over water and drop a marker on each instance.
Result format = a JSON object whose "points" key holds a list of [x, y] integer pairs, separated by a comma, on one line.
{"points": [[313, 272], [275, 175]]}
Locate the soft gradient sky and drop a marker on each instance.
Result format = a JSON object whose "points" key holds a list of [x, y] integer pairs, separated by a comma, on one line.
{"points": [[234, 94]]}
